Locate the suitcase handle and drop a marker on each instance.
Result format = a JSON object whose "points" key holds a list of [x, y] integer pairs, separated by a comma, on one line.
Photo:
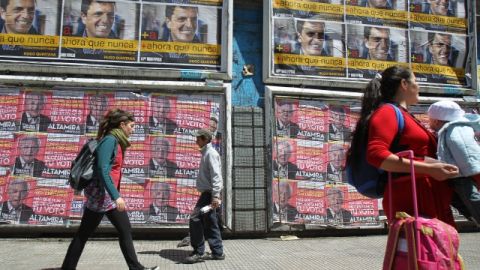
{"points": [[409, 155]]}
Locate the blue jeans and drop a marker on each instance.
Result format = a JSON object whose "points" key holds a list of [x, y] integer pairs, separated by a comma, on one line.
{"points": [[467, 198], [205, 226]]}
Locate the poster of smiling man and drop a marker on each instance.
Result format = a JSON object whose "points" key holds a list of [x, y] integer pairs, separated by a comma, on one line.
{"points": [[29, 28]]}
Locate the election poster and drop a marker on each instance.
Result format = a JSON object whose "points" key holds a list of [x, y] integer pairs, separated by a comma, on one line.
{"points": [[51, 205], [16, 204], [310, 47], [101, 31], [372, 49], [3, 189], [30, 29], [337, 206], [96, 106], [7, 152], [310, 202], [161, 202], [186, 196], [67, 113], [30, 154], [285, 201], [60, 150], [163, 161], [135, 163], [76, 207], [284, 162], [137, 104], [438, 57], [35, 109], [191, 115], [312, 120], [10, 105], [450, 16], [337, 152], [339, 122], [381, 12], [162, 112], [187, 157], [364, 211], [332, 10], [287, 113], [311, 160], [181, 35], [134, 196]]}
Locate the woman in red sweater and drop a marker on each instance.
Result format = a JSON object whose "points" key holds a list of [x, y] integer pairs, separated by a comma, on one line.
{"points": [[378, 125]]}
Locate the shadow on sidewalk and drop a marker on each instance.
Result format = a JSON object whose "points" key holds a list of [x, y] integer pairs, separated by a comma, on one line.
{"points": [[175, 255]]}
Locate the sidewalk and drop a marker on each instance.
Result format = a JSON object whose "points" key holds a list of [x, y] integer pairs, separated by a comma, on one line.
{"points": [[336, 253]]}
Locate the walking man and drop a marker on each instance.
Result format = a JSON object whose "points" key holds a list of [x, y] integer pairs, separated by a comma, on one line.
{"points": [[204, 226]]}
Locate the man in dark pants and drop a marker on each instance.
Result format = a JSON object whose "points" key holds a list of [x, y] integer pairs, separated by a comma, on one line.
{"points": [[210, 185]]}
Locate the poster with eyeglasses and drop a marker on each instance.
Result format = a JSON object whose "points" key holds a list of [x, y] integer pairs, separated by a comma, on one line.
{"points": [[181, 35], [378, 12], [374, 48], [439, 15], [438, 57], [308, 47], [29, 28]]}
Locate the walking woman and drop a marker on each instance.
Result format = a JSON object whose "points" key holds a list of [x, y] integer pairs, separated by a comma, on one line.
{"points": [[103, 196], [378, 127]]}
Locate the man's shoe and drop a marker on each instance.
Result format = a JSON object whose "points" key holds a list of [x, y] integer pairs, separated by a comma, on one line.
{"points": [[217, 257], [194, 258], [151, 268]]}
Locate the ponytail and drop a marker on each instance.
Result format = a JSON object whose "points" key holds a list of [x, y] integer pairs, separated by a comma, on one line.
{"points": [[112, 120]]}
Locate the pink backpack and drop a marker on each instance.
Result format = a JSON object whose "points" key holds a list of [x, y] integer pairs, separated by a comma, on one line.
{"points": [[418, 243]]}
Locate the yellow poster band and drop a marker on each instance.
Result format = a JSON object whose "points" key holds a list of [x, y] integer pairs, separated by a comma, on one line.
{"points": [[441, 20], [29, 40], [180, 47], [398, 15], [368, 64], [100, 44], [438, 70], [306, 60], [308, 6]]}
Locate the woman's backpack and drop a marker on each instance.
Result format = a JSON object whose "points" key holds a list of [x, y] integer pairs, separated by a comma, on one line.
{"points": [[81, 171]]}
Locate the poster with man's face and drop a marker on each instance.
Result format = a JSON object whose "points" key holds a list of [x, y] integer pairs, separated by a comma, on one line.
{"points": [[181, 35], [102, 31], [378, 12], [438, 57], [439, 15], [29, 28]]}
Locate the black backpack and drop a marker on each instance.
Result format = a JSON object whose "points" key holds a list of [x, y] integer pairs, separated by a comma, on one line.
{"points": [[81, 171]]}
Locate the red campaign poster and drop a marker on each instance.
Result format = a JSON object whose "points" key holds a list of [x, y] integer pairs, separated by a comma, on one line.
{"points": [[162, 163], [339, 127], [135, 163], [10, 105], [76, 206], [96, 105], [67, 112], [311, 160], [186, 197], [161, 114], [312, 120], [60, 150], [364, 210], [284, 158], [337, 205], [133, 194], [136, 104], [192, 114], [30, 153], [310, 202], [187, 157], [161, 206], [337, 152], [7, 150], [35, 110], [17, 199], [51, 205], [3, 187], [286, 117], [284, 194]]}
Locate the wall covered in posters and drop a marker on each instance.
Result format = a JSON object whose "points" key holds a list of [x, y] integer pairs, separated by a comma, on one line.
{"points": [[155, 34], [42, 130], [309, 144], [354, 39]]}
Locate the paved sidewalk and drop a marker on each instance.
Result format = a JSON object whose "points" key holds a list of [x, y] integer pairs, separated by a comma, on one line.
{"points": [[324, 253]]}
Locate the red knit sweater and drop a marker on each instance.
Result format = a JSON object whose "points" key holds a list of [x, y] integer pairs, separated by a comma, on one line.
{"points": [[434, 197]]}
